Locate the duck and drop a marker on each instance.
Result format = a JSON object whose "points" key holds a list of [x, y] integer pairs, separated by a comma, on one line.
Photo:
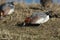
{"points": [[7, 8], [36, 19]]}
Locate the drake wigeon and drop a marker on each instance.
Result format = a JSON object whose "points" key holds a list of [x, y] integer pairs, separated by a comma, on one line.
{"points": [[36, 19], [6, 9]]}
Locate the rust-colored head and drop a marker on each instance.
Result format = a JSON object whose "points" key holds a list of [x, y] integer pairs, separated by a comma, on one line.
{"points": [[28, 20]]}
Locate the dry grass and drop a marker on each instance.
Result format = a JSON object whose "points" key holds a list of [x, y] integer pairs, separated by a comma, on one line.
{"points": [[47, 31]]}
